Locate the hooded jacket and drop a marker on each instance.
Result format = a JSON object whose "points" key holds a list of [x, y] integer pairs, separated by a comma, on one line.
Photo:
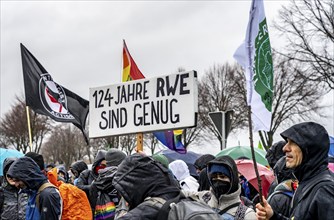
{"points": [[50, 202], [203, 160], [139, 178], [181, 171], [86, 177], [78, 167], [14, 203], [313, 141], [233, 196]]}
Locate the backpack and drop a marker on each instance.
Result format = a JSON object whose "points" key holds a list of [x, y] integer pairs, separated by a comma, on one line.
{"points": [[105, 208], [186, 209], [75, 202]]}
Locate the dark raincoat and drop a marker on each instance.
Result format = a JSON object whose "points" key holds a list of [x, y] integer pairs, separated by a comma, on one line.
{"points": [[14, 203], [313, 199], [88, 176], [50, 202], [139, 178], [78, 167]]}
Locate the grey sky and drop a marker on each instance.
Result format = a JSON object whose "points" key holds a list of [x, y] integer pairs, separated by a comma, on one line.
{"points": [[80, 42]]}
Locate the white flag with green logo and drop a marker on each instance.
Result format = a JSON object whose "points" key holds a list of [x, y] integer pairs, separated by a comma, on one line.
{"points": [[255, 57]]}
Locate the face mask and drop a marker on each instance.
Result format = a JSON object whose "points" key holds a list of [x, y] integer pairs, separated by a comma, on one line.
{"points": [[221, 187], [97, 168]]}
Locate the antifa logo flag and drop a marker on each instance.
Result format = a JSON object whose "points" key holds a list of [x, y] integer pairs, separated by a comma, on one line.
{"points": [[48, 98]]}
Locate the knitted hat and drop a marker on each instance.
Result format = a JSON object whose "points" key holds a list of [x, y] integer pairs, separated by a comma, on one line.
{"points": [[114, 157], [162, 159], [218, 168], [38, 158]]}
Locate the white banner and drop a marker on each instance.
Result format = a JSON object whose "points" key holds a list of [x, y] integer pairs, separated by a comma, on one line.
{"points": [[160, 103]]}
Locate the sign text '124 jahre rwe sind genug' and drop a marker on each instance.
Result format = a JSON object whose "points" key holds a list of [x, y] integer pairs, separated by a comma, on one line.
{"points": [[160, 103]]}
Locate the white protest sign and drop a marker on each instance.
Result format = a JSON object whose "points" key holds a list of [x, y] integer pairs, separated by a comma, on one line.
{"points": [[160, 103]]}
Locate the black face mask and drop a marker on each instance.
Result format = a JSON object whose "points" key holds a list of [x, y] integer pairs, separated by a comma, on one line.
{"points": [[221, 187]]}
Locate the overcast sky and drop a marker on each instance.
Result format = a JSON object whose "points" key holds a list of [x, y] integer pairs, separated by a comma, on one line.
{"points": [[80, 42]]}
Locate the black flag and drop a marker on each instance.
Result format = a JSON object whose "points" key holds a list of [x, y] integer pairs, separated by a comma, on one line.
{"points": [[48, 98]]}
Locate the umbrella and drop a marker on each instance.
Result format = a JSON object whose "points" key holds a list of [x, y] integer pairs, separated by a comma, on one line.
{"points": [[246, 168], [189, 158], [331, 147], [5, 153], [238, 152]]}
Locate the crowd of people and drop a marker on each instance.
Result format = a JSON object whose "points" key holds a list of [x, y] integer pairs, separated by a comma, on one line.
{"points": [[145, 187]]}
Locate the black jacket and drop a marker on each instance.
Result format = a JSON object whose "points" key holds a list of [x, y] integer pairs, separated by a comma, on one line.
{"points": [[14, 203], [86, 177], [203, 181], [138, 178], [78, 167], [312, 199], [103, 184], [50, 202]]}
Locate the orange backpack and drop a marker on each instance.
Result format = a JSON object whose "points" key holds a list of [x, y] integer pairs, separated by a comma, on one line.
{"points": [[76, 205]]}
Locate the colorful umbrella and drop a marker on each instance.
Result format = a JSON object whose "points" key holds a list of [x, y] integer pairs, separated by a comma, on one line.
{"points": [[5, 153], [331, 147], [189, 157], [238, 152], [246, 168]]}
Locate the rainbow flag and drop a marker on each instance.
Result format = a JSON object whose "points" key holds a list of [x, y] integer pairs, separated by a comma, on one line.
{"points": [[171, 139]]}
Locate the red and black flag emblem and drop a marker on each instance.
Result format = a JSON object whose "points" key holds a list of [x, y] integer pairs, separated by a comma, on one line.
{"points": [[47, 97]]}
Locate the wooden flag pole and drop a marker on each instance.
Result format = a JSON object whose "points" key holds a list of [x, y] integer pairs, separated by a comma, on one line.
{"points": [[139, 142], [253, 153], [29, 128]]}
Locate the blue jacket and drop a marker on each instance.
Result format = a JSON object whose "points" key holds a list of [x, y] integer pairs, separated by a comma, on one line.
{"points": [[50, 202]]}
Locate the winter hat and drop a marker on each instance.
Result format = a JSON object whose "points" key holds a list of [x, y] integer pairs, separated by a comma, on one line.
{"points": [[201, 162], [218, 168], [162, 159], [38, 158], [114, 157]]}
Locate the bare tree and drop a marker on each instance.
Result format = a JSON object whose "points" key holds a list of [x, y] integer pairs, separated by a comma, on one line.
{"points": [[128, 143], [14, 128], [308, 26], [221, 89], [295, 97], [65, 145]]}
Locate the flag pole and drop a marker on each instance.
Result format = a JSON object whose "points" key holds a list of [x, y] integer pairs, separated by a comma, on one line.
{"points": [[250, 66], [139, 142], [29, 128], [253, 153]]}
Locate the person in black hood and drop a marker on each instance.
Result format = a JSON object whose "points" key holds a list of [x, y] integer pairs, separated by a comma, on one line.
{"points": [[63, 174], [77, 168], [224, 196], [86, 177], [307, 155], [102, 190], [274, 153], [13, 204], [142, 181], [200, 165], [26, 175]]}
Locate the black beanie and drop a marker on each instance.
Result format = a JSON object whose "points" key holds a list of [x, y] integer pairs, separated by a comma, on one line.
{"points": [[114, 157], [38, 158]]}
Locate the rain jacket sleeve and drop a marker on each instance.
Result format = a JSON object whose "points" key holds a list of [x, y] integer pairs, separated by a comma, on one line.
{"points": [[83, 182], [50, 204]]}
